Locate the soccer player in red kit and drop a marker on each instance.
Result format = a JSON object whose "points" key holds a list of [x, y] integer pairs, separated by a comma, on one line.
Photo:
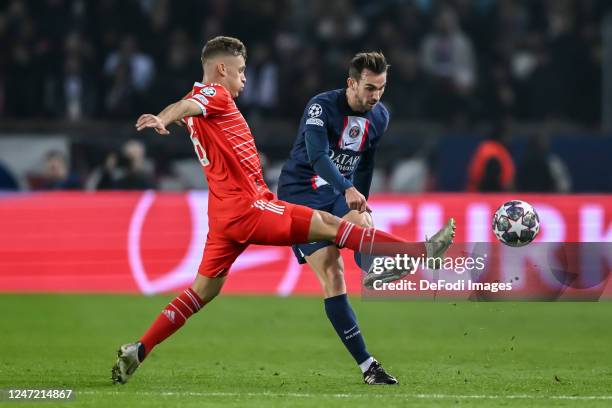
{"points": [[243, 211]]}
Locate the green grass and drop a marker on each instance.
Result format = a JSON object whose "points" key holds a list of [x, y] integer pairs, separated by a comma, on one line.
{"points": [[265, 351]]}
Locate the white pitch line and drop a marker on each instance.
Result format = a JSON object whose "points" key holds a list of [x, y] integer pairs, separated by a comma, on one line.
{"points": [[389, 395]]}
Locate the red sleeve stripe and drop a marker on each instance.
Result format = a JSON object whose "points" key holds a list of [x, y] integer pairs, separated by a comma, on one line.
{"points": [[243, 143], [248, 157], [365, 134], [229, 120], [233, 126], [245, 150], [244, 132], [231, 113], [252, 162], [248, 167]]}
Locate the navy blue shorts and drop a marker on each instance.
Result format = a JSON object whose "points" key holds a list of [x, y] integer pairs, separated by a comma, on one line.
{"points": [[331, 202]]}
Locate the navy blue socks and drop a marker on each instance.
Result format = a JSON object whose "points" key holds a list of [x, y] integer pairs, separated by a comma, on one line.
{"points": [[341, 315], [364, 261]]}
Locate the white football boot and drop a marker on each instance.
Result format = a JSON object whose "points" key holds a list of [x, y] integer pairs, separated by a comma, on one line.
{"points": [[437, 245], [127, 363], [388, 275]]}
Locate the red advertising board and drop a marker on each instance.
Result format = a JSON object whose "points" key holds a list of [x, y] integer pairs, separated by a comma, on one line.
{"points": [[149, 242]]}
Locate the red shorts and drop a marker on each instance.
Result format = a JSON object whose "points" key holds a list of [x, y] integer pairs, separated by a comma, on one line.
{"points": [[264, 222]]}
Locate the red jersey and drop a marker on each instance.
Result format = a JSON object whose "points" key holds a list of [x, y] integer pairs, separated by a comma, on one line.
{"points": [[226, 149]]}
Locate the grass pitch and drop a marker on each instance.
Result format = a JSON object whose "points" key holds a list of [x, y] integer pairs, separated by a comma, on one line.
{"points": [[266, 351]]}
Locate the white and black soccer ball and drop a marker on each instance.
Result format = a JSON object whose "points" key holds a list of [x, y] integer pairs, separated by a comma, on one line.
{"points": [[516, 223]]}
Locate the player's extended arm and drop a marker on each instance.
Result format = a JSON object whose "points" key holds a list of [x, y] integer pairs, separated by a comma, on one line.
{"points": [[362, 179], [172, 113], [317, 147]]}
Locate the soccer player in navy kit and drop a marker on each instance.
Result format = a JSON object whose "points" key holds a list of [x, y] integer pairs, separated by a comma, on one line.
{"points": [[330, 168]]}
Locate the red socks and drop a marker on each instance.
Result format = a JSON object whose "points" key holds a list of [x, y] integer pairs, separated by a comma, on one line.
{"points": [[172, 318], [370, 241]]}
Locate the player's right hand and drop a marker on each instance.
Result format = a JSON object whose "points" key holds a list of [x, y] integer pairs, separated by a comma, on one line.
{"points": [[355, 200], [151, 121]]}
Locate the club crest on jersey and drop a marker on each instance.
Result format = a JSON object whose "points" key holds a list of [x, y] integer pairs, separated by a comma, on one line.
{"points": [[354, 133], [209, 91]]}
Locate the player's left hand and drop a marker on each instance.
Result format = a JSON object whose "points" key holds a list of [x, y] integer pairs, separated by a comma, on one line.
{"points": [[151, 121], [355, 200]]}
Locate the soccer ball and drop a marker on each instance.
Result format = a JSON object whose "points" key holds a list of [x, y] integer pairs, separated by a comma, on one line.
{"points": [[516, 223]]}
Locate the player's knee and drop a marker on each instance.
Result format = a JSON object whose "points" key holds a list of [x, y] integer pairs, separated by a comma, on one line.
{"points": [[365, 220]]}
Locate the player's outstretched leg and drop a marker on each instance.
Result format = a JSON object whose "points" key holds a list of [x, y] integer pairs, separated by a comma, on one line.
{"points": [[376, 242], [370, 241], [435, 247], [172, 318], [366, 262]]}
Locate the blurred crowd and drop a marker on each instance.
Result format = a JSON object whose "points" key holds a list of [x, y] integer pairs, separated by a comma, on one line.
{"points": [[463, 64], [455, 61], [491, 168]]}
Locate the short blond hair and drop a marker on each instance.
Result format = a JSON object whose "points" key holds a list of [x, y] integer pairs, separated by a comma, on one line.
{"points": [[223, 46]]}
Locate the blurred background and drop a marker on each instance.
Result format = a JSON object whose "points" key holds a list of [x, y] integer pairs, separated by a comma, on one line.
{"points": [[485, 95], [512, 97]]}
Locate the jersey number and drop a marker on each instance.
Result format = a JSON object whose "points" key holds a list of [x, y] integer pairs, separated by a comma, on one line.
{"points": [[200, 152], [199, 149]]}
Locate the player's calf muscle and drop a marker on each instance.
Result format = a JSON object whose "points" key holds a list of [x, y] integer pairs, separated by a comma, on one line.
{"points": [[333, 281], [328, 265], [207, 288], [323, 226]]}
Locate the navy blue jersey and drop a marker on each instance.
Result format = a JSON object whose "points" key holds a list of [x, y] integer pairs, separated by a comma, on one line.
{"points": [[353, 137]]}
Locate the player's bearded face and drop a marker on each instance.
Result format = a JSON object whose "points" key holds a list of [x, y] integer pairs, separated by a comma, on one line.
{"points": [[369, 89]]}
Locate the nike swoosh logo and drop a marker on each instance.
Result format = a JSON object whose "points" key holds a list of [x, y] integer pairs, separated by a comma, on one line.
{"points": [[349, 330]]}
